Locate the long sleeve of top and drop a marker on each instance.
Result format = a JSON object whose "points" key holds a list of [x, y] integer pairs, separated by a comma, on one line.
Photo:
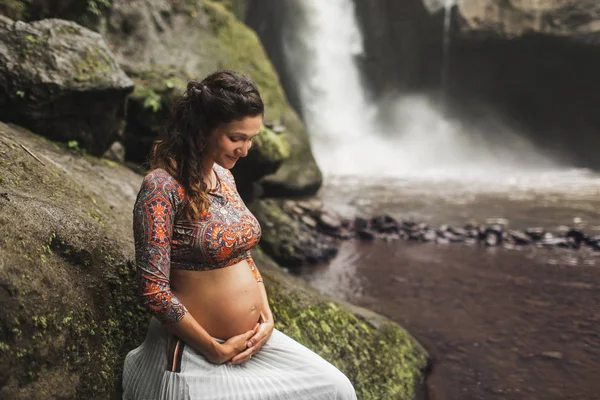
{"points": [[153, 216]]}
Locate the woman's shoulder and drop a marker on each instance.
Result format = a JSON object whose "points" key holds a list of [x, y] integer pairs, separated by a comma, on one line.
{"points": [[159, 180]]}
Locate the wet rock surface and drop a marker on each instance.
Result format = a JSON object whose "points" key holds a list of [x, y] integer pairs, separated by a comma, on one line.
{"points": [[296, 233]]}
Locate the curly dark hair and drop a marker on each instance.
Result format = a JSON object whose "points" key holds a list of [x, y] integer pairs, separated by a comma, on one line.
{"points": [[220, 98]]}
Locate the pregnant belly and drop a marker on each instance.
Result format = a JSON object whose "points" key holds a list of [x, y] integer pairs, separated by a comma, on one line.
{"points": [[225, 301]]}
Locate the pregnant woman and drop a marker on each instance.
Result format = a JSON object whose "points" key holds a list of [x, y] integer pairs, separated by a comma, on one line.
{"points": [[211, 335]]}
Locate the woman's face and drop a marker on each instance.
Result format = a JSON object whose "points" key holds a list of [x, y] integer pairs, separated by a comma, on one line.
{"points": [[228, 142]]}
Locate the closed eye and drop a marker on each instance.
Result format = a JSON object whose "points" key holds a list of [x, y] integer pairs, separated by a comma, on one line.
{"points": [[238, 139]]}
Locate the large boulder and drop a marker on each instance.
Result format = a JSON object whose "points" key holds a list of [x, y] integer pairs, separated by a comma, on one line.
{"points": [[291, 241], [87, 13], [269, 150], [159, 40], [60, 79], [67, 287]]}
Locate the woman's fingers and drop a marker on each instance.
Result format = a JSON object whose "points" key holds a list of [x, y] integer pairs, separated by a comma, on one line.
{"points": [[239, 361], [260, 334], [243, 356]]}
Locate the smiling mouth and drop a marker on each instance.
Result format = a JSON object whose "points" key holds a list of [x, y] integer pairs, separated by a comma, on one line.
{"points": [[233, 158]]}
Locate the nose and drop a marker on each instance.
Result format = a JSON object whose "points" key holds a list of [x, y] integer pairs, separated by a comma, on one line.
{"points": [[243, 151]]}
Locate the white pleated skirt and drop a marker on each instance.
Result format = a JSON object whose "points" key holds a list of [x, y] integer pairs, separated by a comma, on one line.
{"points": [[164, 368]]}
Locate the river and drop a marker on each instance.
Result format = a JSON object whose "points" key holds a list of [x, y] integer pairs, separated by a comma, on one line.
{"points": [[498, 323]]}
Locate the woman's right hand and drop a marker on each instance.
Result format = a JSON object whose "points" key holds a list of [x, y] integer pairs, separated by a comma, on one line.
{"points": [[232, 347]]}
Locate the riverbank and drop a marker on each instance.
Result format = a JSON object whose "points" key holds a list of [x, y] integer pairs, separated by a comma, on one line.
{"points": [[499, 324]]}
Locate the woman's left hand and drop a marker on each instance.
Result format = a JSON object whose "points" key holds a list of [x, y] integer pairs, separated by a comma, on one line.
{"points": [[255, 343]]}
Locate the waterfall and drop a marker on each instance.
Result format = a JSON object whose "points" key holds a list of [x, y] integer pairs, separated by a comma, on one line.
{"points": [[446, 47], [348, 134], [323, 60]]}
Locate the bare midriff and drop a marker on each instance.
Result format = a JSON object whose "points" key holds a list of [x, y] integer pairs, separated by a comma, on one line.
{"points": [[225, 301]]}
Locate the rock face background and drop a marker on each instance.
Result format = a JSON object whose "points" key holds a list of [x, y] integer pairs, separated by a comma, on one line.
{"points": [[532, 62]]}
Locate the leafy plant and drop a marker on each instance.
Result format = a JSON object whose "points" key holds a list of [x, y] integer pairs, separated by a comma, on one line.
{"points": [[152, 101]]}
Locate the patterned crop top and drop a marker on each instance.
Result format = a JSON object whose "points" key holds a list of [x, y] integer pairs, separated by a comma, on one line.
{"points": [[222, 236]]}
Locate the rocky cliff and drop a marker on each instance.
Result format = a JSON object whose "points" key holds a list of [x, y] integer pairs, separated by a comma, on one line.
{"points": [[532, 62]]}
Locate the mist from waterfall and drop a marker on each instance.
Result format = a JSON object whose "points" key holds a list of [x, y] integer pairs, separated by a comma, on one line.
{"points": [[416, 140]]}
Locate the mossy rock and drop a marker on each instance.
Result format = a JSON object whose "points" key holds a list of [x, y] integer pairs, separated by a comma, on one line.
{"points": [[60, 79], [198, 37], [289, 241], [236, 7], [88, 13], [69, 315], [148, 107], [269, 150]]}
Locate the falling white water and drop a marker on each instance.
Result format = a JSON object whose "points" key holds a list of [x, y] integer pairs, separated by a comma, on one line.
{"points": [[434, 6], [323, 62], [446, 46], [416, 140]]}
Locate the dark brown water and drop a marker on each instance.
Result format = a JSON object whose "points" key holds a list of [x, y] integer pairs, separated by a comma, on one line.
{"points": [[499, 324]]}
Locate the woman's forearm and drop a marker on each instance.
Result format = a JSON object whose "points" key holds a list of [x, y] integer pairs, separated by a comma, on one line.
{"points": [[192, 333]]}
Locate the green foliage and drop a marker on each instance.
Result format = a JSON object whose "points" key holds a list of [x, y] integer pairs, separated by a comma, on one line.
{"points": [[73, 145], [14, 9], [98, 7], [152, 101]]}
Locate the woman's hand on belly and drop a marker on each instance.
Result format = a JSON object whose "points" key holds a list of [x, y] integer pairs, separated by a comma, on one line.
{"points": [[232, 347], [255, 343]]}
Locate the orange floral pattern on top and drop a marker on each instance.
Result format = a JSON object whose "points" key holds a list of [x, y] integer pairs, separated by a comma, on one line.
{"points": [[220, 237]]}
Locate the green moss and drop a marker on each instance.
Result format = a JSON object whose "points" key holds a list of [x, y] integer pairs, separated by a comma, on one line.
{"points": [[68, 30], [29, 46], [236, 7], [13, 9], [272, 147], [242, 51], [91, 66], [72, 335]]}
